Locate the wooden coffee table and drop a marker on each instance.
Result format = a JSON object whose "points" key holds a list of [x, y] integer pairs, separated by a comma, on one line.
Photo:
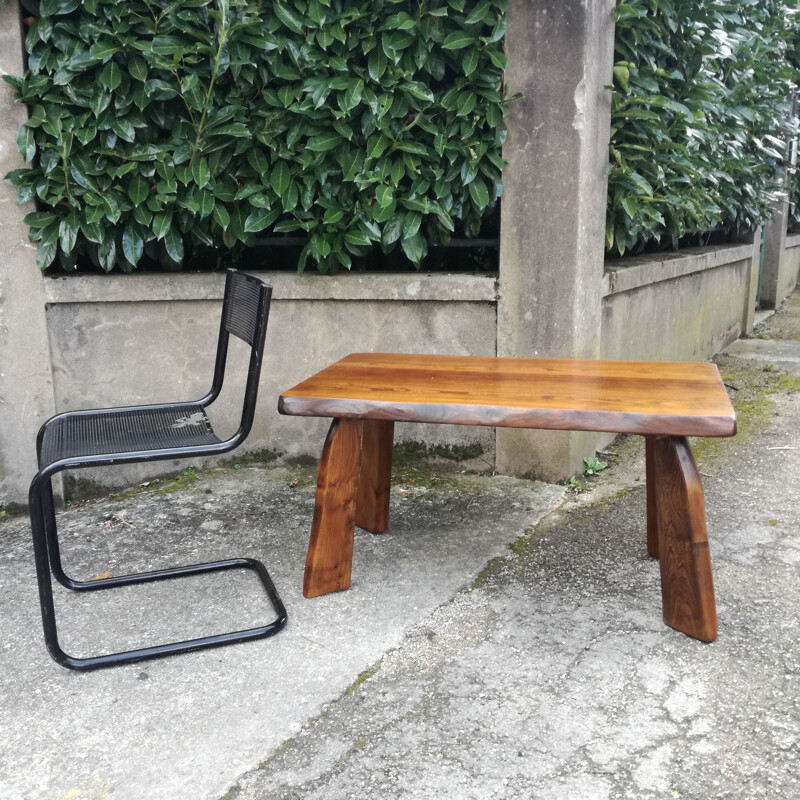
{"points": [[365, 393]]}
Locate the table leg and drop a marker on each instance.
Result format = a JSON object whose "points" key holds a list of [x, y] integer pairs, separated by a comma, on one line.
{"points": [[687, 588], [330, 549], [375, 475], [652, 514]]}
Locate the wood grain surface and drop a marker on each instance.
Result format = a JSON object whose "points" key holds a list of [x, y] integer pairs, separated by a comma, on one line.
{"points": [[687, 587], [330, 549], [676, 398], [375, 475], [652, 511]]}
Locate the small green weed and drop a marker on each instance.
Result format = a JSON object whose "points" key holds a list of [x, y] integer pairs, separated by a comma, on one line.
{"points": [[575, 484], [594, 465]]}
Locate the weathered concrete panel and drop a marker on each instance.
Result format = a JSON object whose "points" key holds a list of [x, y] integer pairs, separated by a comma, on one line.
{"points": [[779, 272], [790, 265], [151, 351], [26, 394], [749, 313], [689, 318]]}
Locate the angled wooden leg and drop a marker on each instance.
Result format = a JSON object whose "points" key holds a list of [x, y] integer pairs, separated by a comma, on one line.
{"points": [[652, 515], [330, 549], [375, 475], [687, 589]]}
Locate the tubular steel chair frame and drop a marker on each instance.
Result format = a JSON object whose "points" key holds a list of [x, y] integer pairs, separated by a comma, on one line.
{"points": [[134, 434]]}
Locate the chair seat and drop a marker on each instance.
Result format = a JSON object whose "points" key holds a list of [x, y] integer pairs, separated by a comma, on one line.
{"points": [[133, 430]]}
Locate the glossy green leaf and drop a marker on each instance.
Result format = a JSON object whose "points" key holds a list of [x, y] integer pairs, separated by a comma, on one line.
{"points": [[111, 76], [206, 200], [201, 172], [415, 248], [40, 219], [289, 18], [323, 143], [45, 254], [280, 177], [470, 61], [26, 144], [377, 144], [260, 219], [357, 237], [162, 223], [173, 241], [480, 12], [458, 40], [393, 229], [221, 216], [411, 225], [479, 193], [384, 195], [132, 245], [500, 60], [138, 69]]}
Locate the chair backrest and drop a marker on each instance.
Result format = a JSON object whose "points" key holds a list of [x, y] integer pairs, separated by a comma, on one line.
{"points": [[245, 310]]}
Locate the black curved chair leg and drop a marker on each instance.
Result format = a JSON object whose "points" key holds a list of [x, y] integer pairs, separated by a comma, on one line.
{"points": [[47, 555]]}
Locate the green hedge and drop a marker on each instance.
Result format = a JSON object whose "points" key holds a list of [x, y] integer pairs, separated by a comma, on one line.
{"points": [[160, 128], [699, 104]]}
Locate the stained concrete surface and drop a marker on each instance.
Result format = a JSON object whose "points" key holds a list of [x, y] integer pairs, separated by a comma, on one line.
{"points": [[556, 680], [547, 674], [188, 726]]}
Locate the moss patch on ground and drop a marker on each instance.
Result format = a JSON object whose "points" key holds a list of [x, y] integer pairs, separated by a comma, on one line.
{"points": [[405, 453], [363, 677], [751, 390], [258, 458], [422, 466]]}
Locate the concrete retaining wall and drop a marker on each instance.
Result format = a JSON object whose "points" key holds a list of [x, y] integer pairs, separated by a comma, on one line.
{"points": [[780, 268], [149, 338], [123, 339], [677, 307], [790, 264]]}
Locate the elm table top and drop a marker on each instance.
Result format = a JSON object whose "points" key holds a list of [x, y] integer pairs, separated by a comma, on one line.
{"points": [[645, 397]]}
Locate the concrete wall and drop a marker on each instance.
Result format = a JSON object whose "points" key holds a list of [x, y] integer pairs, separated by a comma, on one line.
{"points": [[781, 262], [678, 307], [790, 269], [149, 338]]}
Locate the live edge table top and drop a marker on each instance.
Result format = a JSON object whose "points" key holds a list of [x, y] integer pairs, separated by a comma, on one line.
{"points": [[653, 397]]}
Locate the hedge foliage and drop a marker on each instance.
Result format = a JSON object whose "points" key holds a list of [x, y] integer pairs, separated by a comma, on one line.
{"points": [[699, 106], [160, 127]]}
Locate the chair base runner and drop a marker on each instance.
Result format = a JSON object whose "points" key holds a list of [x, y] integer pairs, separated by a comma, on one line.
{"points": [[161, 651]]}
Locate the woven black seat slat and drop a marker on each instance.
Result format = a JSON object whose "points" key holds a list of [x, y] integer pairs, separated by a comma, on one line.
{"points": [[101, 433]]}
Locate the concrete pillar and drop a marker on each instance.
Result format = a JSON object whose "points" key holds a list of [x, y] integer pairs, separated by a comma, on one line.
{"points": [[776, 282], [560, 56], [26, 385], [749, 311]]}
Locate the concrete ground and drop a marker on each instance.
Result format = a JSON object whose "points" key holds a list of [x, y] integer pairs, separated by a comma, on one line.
{"points": [[503, 639]]}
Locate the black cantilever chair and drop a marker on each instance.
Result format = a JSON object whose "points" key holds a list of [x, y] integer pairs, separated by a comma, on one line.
{"points": [[147, 433]]}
